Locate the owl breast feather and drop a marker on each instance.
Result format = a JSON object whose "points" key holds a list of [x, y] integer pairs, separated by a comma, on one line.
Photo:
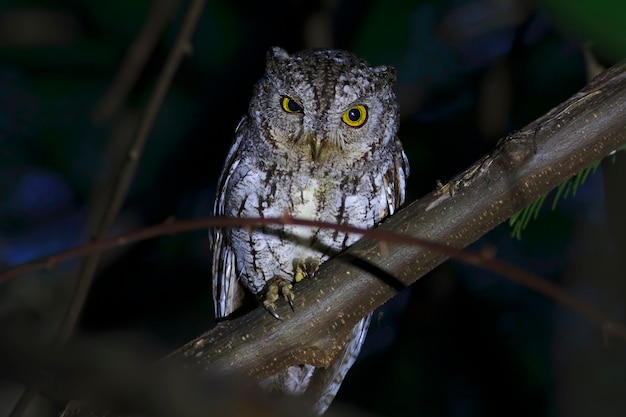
{"points": [[264, 253]]}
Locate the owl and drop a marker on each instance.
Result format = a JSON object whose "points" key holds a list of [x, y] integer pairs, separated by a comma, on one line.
{"points": [[319, 142]]}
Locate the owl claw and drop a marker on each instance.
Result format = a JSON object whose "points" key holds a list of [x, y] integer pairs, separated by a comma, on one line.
{"points": [[273, 313], [279, 286], [305, 268], [271, 308], [276, 287]]}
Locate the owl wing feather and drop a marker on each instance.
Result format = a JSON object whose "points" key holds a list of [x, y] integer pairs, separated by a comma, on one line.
{"points": [[400, 172], [228, 293], [326, 382]]}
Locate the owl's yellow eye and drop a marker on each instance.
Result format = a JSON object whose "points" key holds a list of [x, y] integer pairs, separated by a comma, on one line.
{"points": [[355, 116], [290, 106]]}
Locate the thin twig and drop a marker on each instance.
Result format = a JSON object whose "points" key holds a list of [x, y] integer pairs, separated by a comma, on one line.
{"points": [[181, 47], [171, 228], [127, 173], [482, 259]]}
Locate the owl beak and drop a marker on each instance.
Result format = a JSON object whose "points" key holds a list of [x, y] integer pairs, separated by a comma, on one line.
{"points": [[316, 147]]}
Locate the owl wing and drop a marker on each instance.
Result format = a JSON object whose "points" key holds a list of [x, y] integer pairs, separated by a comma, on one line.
{"points": [[227, 291], [326, 382], [395, 178]]}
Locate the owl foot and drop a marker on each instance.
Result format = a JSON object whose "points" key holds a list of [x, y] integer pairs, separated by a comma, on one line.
{"points": [[276, 287], [305, 268]]}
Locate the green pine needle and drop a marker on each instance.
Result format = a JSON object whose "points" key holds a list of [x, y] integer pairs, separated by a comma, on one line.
{"points": [[520, 220]]}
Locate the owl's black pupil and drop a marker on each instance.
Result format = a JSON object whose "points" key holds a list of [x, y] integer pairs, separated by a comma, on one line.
{"points": [[354, 114], [293, 106]]}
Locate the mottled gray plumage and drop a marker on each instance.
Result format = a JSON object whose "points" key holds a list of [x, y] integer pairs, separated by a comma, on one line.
{"points": [[319, 142]]}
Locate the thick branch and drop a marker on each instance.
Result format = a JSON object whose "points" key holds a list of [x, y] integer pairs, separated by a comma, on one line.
{"points": [[524, 166]]}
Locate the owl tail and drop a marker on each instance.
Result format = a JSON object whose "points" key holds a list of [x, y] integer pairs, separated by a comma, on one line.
{"points": [[326, 382]]}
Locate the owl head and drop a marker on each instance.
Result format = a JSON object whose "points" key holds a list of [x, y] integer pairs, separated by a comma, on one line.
{"points": [[324, 104]]}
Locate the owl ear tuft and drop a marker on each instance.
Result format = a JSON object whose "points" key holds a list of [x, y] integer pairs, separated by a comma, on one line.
{"points": [[274, 55], [386, 73]]}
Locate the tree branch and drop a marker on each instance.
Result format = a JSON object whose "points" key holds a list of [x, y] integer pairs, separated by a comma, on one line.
{"points": [[136, 58], [524, 166]]}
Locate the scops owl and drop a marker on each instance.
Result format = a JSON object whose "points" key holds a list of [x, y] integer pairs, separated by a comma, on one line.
{"points": [[319, 142]]}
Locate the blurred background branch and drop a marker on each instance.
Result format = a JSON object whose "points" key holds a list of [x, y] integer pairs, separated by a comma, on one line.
{"points": [[103, 219]]}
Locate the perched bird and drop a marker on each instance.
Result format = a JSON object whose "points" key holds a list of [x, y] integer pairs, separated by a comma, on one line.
{"points": [[319, 142]]}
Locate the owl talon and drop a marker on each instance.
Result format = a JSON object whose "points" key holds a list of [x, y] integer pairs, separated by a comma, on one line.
{"points": [[276, 287], [305, 268], [272, 312], [271, 308]]}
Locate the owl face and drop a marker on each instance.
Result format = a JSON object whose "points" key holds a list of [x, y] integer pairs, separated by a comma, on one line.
{"points": [[322, 105]]}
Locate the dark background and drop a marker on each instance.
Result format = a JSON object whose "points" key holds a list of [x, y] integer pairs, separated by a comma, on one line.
{"points": [[462, 341]]}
